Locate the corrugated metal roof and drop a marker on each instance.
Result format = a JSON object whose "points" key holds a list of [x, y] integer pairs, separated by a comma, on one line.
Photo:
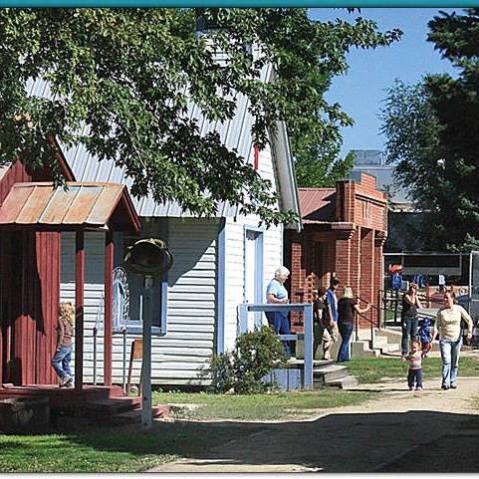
{"points": [[80, 204], [317, 204], [235, 134]]}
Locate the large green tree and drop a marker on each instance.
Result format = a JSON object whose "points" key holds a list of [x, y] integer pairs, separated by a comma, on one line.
{"points": [[413, 147], [323, 168], [121, 78], [433, 136]]}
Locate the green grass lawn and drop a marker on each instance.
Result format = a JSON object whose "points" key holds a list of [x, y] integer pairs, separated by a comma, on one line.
{"points": [[373, 370], [111, 450], [259, 407], [131, 450]]}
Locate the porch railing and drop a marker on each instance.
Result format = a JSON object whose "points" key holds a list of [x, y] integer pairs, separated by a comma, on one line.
{"points": [[306, 309]]}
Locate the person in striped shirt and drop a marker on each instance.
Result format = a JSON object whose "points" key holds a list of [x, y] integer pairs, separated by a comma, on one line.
{"points": [[414, 358]]}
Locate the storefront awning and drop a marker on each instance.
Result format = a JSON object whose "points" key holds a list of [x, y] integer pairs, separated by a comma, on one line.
{"points": [[77, 205]]}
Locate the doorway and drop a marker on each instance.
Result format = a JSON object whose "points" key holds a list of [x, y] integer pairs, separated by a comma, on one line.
{"points": [[253, 273]]}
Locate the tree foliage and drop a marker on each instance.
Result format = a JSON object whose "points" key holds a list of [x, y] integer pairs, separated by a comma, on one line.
{"points": [[438, 119], [324, 170], [412, 146], [121, 80]]}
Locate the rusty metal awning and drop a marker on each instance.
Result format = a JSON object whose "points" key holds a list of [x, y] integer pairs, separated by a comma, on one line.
{"points": [[78, 205]]}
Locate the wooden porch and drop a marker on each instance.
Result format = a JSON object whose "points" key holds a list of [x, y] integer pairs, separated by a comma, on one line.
{"points": [[32, 217], [61, 397]]}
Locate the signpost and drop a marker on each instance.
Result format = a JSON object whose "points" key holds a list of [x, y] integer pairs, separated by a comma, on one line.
{"points": [[146, 416], [149, 258]]}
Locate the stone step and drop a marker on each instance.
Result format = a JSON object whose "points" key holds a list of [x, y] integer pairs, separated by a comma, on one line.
{"points": [[361, 349], [379, 342], [299, 363], [343, 383], [329, 373], [393, 354], [391, 348]]}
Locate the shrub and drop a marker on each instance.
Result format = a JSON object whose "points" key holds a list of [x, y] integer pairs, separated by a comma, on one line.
{"points": [[222, 373], [242, 370]]}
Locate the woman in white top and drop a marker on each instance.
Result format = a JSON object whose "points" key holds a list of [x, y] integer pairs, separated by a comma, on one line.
{"points": [[448, 324], [276, 293]]}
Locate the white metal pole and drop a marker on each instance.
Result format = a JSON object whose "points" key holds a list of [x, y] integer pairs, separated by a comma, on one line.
{"points": [[146, 413]]}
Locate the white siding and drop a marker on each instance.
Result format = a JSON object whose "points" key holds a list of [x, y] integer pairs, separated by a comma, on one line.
{"points": [[234, 246], [179, 357]]}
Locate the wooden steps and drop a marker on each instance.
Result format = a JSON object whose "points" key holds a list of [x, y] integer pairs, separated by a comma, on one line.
{"points": [[61, 397], [120, 411], [134, 416], [102, 405]]}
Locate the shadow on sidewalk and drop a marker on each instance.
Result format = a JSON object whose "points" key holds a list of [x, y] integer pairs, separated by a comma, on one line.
{"points": [[333, 443]]}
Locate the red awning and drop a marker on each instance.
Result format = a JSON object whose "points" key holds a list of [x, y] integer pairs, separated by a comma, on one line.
{"points": [[79, 205]]}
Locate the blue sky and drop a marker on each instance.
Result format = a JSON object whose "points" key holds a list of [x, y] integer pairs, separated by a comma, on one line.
{"points": [[362, 90]]}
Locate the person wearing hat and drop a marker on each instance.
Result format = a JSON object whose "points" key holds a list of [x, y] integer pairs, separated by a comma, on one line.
{"points": [[347, 308]]}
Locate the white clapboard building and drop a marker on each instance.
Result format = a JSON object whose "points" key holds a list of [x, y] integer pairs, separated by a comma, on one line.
{"points": [[219, 263]]}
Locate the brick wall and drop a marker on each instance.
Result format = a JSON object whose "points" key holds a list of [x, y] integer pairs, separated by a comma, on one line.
{"points": [[367, 271], [356, 262], [354, 256]]}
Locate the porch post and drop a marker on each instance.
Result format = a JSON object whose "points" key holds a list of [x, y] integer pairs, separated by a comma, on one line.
{"points": [[108, 316], [79, 305]]}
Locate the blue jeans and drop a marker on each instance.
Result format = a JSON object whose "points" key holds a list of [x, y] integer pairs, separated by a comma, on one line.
{"points": [[409, 329], [345, 330], [281, 326], [450, 360], [414, 376], [61, 361]]}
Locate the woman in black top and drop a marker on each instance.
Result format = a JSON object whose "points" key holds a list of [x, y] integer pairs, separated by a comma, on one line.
{"points": [[347, 307], [410, 303]]}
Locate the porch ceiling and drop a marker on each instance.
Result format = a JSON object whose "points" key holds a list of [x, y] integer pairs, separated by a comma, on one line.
{"points": [[79, 205]]}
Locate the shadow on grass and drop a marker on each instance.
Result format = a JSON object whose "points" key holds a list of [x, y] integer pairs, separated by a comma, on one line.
{"points": [[333, 443]]}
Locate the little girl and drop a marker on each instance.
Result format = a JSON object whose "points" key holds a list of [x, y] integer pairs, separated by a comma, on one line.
{"points": [[414, 358], [63, 354]]}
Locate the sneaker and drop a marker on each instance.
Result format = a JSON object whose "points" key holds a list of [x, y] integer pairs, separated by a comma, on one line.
{"points": [[444, 387], [418, 388], [453, 386], [66, 381]]}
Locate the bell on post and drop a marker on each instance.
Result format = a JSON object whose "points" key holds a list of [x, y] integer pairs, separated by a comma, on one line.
{"points": [[148, 257]]}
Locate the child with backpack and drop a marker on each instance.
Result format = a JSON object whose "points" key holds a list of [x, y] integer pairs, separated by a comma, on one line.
{"points": [[425, 333]]}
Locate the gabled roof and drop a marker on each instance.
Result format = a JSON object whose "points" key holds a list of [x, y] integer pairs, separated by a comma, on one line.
{"points": [[234, 133], [317, 204], [80, 205]]}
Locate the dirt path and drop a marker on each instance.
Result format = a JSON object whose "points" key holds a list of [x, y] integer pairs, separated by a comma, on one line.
{"points": [[358, 438]]}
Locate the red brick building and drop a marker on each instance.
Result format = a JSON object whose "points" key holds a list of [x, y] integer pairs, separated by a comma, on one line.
{"points": [[344, 232]]}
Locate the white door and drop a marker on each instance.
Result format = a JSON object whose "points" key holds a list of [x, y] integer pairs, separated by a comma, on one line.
{"points": [[253, 261]]}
